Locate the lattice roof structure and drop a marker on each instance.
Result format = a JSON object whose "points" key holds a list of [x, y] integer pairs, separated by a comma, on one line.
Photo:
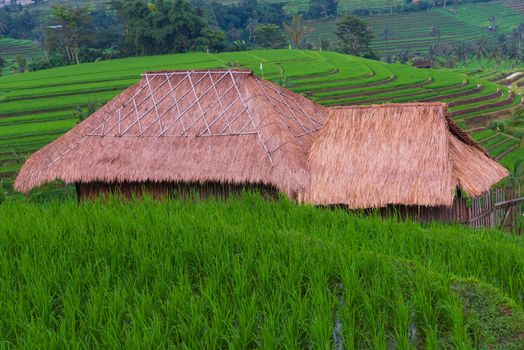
{"points": [[188, 126]]}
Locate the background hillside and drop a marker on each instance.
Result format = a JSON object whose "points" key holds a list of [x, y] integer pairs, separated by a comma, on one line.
{"points": [[448, 32], [412, 30]]}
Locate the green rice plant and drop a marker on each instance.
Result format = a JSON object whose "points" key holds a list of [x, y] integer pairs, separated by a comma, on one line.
{"points": [[498, 150], [32, 128], [347, 68], [510, 159], [32, 118], [493, 141], [483, 134], [65, 102], [68, 89], [249, 273]]}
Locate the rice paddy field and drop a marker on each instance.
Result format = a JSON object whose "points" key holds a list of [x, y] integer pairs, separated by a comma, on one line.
{"points": [[250, 273], [295, 6], [412, 30], [10, 48], [37, 107]]}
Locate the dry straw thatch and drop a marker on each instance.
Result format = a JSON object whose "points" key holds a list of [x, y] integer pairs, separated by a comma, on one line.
{"points": [[228, 126], [188, 126], [408, 154]]}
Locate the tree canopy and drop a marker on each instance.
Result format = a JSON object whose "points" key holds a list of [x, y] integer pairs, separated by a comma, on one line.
{"points": [[354, 36]]}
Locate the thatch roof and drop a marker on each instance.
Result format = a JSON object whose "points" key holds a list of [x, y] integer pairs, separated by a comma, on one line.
{"points": [[229, 126], [409, 154], [188, 126]]}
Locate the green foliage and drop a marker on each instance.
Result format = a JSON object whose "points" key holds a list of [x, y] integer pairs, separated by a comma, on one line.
{"points": [[160, 27], [322, 8], [325, 44], [214, 40], [354, 36], [3, 195], [248, 273], [492, 319], [270, 36], [82, 112], [22, 63], [297, 31], [416, 30]]}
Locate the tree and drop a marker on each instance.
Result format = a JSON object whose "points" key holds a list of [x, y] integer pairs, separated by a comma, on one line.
{"points": [[518, 36], [17, 22], [434, 31], [252, 24], [214, 39], [68, 28], [387, 36], [3, 63], [270, 35], [2, 192], [22, 63], [322, 8], [297, 31], [496, 55], [516, 173], [481, 48], [404, 55], [354, 36], [160, 27], [240, 19], [325, 44]]}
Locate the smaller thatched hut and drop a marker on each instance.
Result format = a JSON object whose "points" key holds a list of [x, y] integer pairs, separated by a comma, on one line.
{"points": [[423, 64], [409, 156]]}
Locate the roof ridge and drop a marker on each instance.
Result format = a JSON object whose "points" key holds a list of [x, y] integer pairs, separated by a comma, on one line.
{"points": [[389, 105], [203, 70]]}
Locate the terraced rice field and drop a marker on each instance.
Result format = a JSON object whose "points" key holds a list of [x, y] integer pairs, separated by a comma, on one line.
{"points": [[412, 30], [294, 6], [10, 48], [37, 107]]}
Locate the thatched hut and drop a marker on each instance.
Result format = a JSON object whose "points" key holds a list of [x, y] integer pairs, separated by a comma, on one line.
{"points": [[211, 130], [218, 131], [411, 157], [423, 64]]}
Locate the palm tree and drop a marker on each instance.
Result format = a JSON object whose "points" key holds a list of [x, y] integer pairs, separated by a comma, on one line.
{"points": [[297, 31], [481, 48], [387, 36], [496, 55], [252, 25], [434, 31], [516, 173], [518, 36]]}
